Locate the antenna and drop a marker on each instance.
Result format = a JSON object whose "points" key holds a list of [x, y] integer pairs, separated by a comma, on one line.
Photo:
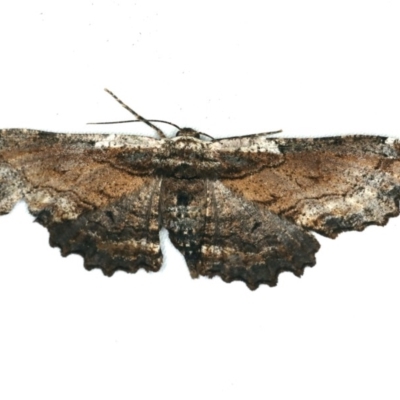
{"points": [[133, 120], [139, 117]]}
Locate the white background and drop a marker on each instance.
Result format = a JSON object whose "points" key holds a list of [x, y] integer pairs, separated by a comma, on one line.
{"points": [[225, 68]]}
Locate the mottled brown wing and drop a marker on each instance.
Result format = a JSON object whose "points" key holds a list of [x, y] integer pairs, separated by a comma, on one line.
{"points": [[329, 185], [246, 242], [92, 192]]}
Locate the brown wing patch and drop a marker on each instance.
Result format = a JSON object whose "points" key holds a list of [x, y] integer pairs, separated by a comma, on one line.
{"points": [[66, 170], [329, 185]]}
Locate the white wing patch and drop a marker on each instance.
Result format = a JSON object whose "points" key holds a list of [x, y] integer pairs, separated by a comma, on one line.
{"points": [[255, 144]]}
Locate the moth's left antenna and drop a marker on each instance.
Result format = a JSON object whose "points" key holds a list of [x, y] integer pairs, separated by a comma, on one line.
{"points": [[139, 117]]}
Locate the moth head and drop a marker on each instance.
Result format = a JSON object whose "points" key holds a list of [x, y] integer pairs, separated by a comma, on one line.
{"points": [[189, 132]]}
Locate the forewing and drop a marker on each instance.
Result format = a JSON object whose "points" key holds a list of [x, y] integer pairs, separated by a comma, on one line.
{"points": [[91, 192], [328, 185]]}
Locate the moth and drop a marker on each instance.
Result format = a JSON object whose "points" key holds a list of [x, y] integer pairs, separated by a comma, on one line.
{"points": [[242, 208]]}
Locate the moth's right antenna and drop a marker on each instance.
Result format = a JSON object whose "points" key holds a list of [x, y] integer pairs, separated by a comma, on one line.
{"points": [[139, 117], [134, 120]]}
